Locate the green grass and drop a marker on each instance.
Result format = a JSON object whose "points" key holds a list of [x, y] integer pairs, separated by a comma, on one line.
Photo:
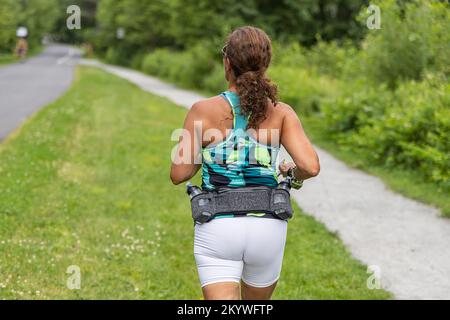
{"points": [[7, 58], [85, 182], [403, 181]]}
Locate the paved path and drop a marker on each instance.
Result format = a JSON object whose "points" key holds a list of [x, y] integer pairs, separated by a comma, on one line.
{"points": [[26, 87], [405, 240]]}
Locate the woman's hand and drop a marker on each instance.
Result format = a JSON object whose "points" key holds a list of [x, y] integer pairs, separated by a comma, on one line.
{"points": [[285, 166]]}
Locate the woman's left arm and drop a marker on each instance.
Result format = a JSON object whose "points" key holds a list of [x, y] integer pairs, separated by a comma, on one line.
{"points": [[187, 158]]}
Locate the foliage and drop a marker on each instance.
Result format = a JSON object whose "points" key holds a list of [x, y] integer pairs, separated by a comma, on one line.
{"points": [[413, 37], [88, 22], [8, 12], [181, 24], [187, 68], [146, 24], [37, 15]]}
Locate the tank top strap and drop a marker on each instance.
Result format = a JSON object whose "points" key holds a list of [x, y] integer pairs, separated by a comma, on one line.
{"points": [[239, 120]]}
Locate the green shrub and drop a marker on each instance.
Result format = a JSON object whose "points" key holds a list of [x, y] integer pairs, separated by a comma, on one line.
{"points": [[355, 106], [137, 60], [157, 63], [408, 128], [292, 54], [8, 10], [215, 81], [413, 36], [195, 65], [117, 56], [186, 68], [302, 89]]}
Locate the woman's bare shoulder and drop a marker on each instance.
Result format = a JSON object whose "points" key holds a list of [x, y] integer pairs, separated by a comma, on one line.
{"points": [[204, 105], [284, 109]]}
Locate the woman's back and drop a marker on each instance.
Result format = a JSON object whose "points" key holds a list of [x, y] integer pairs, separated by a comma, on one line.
{"points": [[234, 156], [243, 157]]}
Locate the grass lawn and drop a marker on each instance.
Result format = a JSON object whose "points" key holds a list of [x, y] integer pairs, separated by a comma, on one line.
{"points": [[406, 182], [7, 58], [85, 182]]}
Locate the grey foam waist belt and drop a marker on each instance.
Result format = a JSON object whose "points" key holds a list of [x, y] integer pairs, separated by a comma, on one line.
{"points": [[244, 200]]}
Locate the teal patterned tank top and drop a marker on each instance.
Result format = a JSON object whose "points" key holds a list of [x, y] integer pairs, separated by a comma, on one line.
{"points": [[239, 160]]}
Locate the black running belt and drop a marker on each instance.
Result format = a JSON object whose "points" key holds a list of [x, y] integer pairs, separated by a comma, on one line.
{"points": [[260, 199], [242, 200]]}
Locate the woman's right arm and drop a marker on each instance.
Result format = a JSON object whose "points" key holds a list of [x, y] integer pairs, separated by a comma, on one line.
{"points": [[297, 144]]}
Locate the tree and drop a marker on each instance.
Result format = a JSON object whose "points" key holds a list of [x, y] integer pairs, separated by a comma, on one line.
{"points": [[88, 21], [8, 13]]}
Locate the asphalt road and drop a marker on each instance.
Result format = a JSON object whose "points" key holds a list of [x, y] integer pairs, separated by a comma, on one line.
{"points": [[26, 87]]}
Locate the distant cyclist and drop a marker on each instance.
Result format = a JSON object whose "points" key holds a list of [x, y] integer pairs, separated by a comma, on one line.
{"points": [[242, 256], [22, 43]]}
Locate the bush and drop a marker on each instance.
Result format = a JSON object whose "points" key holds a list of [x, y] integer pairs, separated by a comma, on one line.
{"points": [[355, 106], [413, 36], [302, 89], [137, 60], [408, 127], [8, 11], [157, 63], [117, 56], [215, 81], [186, 68]]}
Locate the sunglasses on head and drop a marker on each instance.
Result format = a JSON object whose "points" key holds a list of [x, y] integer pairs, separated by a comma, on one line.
{"points": [[224, 53]]}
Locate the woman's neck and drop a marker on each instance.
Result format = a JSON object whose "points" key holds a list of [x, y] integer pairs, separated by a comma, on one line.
{"points": [[232, 87]]}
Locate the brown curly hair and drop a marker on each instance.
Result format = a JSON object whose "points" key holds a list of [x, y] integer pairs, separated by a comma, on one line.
{"points": [[249, 51]]}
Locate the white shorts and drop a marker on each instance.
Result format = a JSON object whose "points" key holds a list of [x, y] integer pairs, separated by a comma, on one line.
{"points": [[247, 248]]}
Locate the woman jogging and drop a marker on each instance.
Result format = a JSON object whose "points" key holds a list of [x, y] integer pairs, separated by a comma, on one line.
{"points": [[237, 136]]}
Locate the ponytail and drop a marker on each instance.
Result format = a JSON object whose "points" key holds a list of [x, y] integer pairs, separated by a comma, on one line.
{"points": [[254, 90], [249, 51]]}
